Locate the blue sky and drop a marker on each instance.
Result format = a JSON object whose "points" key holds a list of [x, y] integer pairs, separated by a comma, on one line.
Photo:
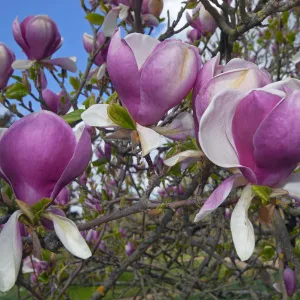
{"points": [[69, 17]]}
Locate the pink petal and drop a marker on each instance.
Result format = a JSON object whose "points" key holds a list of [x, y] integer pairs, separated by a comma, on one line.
{"points": [[219, 195]]}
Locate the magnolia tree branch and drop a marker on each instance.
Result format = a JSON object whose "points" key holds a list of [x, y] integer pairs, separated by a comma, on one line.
{"points": [[134, 257]]}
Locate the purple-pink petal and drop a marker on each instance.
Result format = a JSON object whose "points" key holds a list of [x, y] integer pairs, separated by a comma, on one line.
{"points": [[277, 140], [167, 77], [220, 194], [34, 152], [78, 163], [249, 114], [7, 57], [126, 80]]}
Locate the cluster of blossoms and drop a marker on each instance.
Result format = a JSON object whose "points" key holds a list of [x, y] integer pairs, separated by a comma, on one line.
{"points": [[241, 120]]}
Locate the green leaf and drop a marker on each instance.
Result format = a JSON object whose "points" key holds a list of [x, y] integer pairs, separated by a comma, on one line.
{"points": [[18, 78], [89, 101], [291, 37], [279, 37], [73, 116], [16, 91], [95, 18], [120, 116], [285, 17], [112, 98], [39, 207], [26, 209], [267, 253], [74, 81], [263, 192]]}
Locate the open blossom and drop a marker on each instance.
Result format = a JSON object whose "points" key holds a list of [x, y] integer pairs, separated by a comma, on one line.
{"points": [[39, 38], [7, 57], [58, 103], [252, 131], [213, 78], [39, 156]]}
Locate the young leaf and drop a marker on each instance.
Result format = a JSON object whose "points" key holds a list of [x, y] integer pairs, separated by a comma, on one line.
{"points": [[73, 116], [16, 91], [120, 116], [95, 18], [74, 82], [263, 192]]}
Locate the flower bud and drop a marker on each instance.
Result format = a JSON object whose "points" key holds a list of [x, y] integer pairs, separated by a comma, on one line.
{"points": [[194, 35], [7, 57], [227, 214], [63, 197], [88, 41], [122, 232], [158, 75], [38, 36], [290, 282], [153, 7], [57, 103], [129, 248]]}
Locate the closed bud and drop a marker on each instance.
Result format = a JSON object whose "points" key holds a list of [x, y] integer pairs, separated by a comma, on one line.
{"points": [[7, 57], [38, 36]]}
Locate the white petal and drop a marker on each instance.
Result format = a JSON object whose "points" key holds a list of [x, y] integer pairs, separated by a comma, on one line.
{"points": [[141, 45], [96, 115], [215, 134], [70, 236], [10, 252], [149, 139], [241, 228], [172, 161], [123, 14], [110, 23], [22, 64], [292, 185], [101, 71]]}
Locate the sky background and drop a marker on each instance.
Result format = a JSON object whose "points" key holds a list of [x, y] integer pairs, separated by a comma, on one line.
{"points": [[69, 17]]}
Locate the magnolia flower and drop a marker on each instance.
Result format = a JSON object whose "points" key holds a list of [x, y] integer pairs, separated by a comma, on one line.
{"points": [[194, 35], [57, 103], [33, 265], [156, 78], [88, 43], [152, 7], [104, 153], [205, 22], [290, 281], [129, 248], [213, 78], [63, 198], [39, 156], [158, 75], [252, 131], [7, 57], [39, 38]]}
